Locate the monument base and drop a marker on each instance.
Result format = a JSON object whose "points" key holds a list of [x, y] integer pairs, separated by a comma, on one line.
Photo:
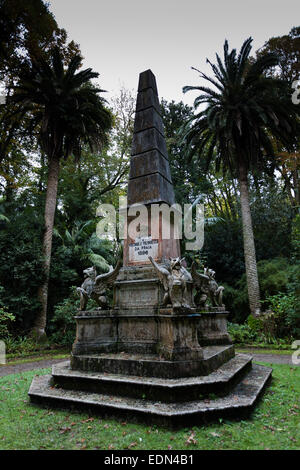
{"points": [[156, 401], [144, 365], [173, 334], [212, 328], [170, 381]]}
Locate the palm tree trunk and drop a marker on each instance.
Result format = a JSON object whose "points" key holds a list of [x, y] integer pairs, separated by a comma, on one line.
{"points": [[50, 206], [249, 246]]}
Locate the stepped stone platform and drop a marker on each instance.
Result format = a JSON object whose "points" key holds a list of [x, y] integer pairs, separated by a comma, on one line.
{"points": [[154, 388], [152, 365], [170, 402]]}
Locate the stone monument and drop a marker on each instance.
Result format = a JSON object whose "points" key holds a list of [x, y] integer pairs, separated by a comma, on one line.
{"points": [[158, 352]]}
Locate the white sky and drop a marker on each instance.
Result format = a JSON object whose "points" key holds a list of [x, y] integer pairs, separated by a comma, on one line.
{"points": [[121, 38]]}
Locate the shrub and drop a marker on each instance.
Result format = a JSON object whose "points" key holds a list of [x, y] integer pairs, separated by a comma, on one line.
{"points": [[5, 319], [241, 334], [246, 335], [21, 346], [62, 326], [276, 275], [285, 313]]}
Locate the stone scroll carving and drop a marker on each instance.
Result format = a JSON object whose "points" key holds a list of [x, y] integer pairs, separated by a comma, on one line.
{"points": [[206, 288], [95, 287], [175, 279]]}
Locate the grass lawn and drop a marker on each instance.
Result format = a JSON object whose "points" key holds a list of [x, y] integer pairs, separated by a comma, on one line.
{"points": [[36, 355], [275, 423], [278, 352]]}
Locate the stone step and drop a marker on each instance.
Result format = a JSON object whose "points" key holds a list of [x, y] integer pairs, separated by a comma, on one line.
{"points": [[239, 402], [152, 366], [219, 382]]}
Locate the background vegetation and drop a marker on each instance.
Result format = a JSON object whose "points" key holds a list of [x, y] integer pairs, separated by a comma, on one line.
{"points": [[100, 176]]}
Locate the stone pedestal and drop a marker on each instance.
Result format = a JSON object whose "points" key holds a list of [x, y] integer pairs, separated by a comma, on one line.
{"points": [[141, 331], [177, 336], [212, 328]]}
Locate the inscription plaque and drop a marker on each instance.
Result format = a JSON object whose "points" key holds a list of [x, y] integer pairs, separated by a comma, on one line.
{"points": [[142, 248]]}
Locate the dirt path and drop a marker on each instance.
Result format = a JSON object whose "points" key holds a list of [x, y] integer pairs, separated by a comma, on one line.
{"points": [[273, 358], [17, 368], [22, 367]]}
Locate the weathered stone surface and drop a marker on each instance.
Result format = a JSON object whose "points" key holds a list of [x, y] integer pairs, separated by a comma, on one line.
{"points": [[212, 328], [152, 365], [134, 328], [131, 294], [95, 332], [136, 273], [148, 163], [146, 100], [148, 139], [149, 189], [148, 118], [239, 402], [177, 338], [150, 178], [147, 80], [136, 332], [219, 382]]}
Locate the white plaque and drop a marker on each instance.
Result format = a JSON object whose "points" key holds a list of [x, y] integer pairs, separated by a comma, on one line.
{"points": [[142, 248]]}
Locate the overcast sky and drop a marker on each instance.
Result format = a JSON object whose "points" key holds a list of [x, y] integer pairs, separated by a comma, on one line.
{"points": [[121, 38]]}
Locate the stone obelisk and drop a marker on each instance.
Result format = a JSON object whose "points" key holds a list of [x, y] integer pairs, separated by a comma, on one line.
{"points": [[150, 182]]}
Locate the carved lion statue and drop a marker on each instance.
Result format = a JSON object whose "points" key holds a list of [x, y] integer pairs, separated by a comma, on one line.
{"points": [[207, 288], [174, 278], [95, 287]]}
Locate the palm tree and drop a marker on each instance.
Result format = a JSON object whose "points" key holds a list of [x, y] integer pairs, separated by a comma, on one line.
{"points": [[242, 114], [67, 112]]}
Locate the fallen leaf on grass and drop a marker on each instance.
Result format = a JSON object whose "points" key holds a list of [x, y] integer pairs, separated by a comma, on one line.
{"points": [[64, 430], [191, 439], [88, 420], [133, 444]]}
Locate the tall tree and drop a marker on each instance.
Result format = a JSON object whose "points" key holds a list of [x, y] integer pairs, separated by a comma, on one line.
{"points": [[188, 178], [68, 112], [287, 48], [27, 29], [242, 112]]}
